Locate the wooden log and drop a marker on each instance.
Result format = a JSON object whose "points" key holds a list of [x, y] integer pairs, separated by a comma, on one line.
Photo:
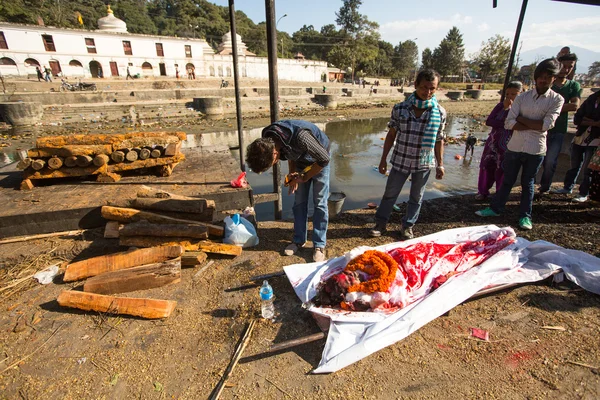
{"points": [[70, 150], [220, 248], [131, 155], [71, 161], [150, 192], [100, 160], [100, 139], [55, 162], [144, 308], [151, 162], [172, 149], [112, 262], [38, 164], [144, 153], [84, 161], [155, 241], [109, 177], [24, 163], [150, 141], [193, 258], [118, 156], [155, 153], [191, 205], [136, 278], [165, 170], [111, 231], [26, 184], [64, 172], [127, 215], [144, 228]]}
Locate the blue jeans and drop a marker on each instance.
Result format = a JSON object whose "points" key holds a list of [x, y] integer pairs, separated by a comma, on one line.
{"points": [[320, 191], [512, 165], [554, 143], [393, 187], [580, 158]]}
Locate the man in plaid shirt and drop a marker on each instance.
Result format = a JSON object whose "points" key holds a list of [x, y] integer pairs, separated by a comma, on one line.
{"points": [[417, 128]]}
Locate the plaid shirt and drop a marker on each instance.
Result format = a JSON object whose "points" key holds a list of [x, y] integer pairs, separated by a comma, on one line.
{"points": [[409, 135]]}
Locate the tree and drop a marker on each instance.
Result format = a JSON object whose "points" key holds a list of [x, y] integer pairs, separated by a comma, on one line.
{"points": [[307, 41], [427, 59], [359, 36], [449, 55], [135, 14], [493, 57], [594, 70], [406, 55]]}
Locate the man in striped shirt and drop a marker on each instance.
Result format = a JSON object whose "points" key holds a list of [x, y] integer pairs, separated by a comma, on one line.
{"points": [[530, 117], [417, 128]]}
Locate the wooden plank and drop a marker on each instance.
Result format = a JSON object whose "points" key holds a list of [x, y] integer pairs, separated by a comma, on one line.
{"points": [[112, 262], [172, 148], [111, 231], [155, 241], [109, 177], [192, 205], [127, 215], [70, 150], [151, 162], [64, 172], [193, 258], [220, 248], [136, 278], [144, 308], [265, 197], [26, 184], [145, 228]]}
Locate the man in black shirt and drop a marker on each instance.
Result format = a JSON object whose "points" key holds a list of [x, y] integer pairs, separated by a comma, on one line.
{"points": [[306, 148]]}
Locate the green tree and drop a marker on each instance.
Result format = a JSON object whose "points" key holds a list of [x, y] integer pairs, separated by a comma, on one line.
{"points": [[307, 41], [427, 59], [594, 70], [493, 57], [449, 55], [135, 14], [359, 36], [406, 56]]}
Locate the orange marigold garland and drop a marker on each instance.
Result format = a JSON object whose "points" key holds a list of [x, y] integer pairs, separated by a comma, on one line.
{"points": [[380, 266]]}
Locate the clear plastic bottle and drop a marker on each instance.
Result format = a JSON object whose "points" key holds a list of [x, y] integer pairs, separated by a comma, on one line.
{"points": [[266, 296]]}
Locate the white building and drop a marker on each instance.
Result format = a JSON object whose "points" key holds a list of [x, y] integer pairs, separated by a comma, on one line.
{"points": [[111, 50]]}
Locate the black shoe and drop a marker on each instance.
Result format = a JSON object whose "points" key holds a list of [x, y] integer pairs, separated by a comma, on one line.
{"points": [[377, 230], [406, 233]]}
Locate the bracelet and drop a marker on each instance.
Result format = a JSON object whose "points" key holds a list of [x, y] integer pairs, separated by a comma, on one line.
{"points": [[440, 167]]}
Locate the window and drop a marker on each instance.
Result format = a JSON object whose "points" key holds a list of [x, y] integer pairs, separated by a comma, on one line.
{"points": [[48, 42], [188, 51], [159, 50], [91, 45], [3, 44], [127, 48]]}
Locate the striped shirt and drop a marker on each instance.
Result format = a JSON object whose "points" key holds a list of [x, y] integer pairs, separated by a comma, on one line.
{"points": [[531, 105], [306, 144], [407, 156]]}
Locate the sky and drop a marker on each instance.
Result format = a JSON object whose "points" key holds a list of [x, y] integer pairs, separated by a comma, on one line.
{"points": [[547, 23]]}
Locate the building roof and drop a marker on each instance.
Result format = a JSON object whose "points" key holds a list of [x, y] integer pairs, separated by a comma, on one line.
{"points": [[110, 23]]}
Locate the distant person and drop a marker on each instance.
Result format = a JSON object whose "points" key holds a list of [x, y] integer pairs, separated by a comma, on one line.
{"points": [[189, 72], [571, 93], [38, 70], [563, 52], [583, 146], [306, 148], [100, 73], [47, 74], [417, 136], [490, 167], [531, 115], [128, 74], [176, 72], [193, 72]]}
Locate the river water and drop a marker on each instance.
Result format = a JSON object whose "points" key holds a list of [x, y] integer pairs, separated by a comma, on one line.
{"points": [[356, 147]]}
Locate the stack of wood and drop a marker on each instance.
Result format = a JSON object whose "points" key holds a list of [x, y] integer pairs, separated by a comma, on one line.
{"points": [[104, 155], [157, 218]]}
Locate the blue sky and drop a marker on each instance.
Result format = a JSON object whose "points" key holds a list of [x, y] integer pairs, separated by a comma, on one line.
{"points": [[547, 23]]}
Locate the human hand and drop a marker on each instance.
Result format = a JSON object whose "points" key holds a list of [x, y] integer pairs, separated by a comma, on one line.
{"points": [[439, 172], [382, 167], [507, 103]]}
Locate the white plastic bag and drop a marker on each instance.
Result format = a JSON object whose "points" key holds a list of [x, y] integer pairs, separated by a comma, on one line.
{"points": [[240, 231]]}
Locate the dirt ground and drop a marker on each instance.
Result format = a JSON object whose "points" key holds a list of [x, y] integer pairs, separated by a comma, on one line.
{"points": [[51, 352]]}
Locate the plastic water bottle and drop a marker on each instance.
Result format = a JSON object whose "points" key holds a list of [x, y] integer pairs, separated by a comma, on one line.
{"points": [[266, 297]]}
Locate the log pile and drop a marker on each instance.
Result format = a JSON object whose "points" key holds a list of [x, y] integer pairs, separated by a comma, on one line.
{"points": [[103, 155]]}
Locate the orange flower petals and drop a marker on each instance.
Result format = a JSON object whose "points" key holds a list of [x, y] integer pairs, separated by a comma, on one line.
{"points": [[380, 266]]}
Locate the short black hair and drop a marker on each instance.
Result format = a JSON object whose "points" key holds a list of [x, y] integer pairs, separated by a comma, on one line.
{"points": [[550, 66], [259, 154], [568, 57], [428, 75]]}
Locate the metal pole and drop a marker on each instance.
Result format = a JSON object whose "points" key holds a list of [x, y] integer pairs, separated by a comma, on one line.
{"points": [[514, 48], [238, 104], [273, 93]]}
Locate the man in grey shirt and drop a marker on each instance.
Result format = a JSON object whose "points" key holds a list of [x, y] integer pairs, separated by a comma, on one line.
{"points": [[530, 117]]}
